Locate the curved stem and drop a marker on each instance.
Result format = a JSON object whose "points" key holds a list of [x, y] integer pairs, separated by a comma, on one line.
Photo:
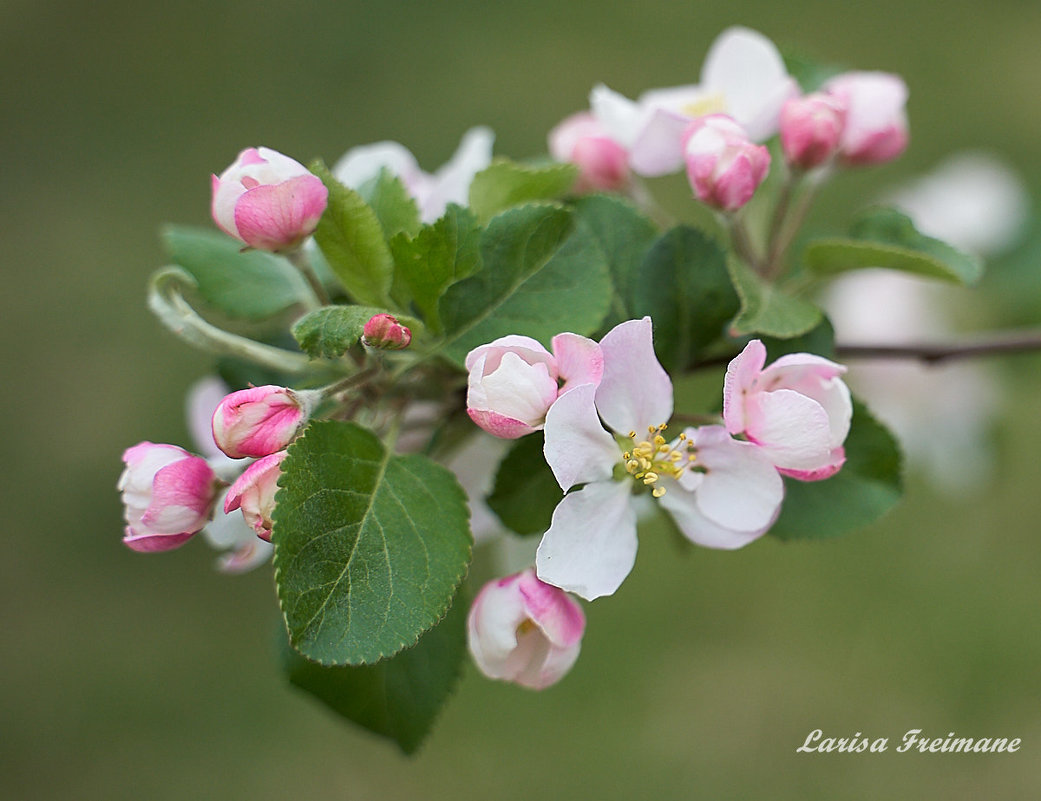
{"points": [[168, 304]]}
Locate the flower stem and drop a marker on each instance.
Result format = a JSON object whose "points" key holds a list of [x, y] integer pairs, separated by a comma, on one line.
{"points": [[797, 196], [742, 242], [298, 258], [168, 304], [646, 202]]}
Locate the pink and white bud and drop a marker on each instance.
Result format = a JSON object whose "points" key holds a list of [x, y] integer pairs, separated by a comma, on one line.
{"points": [[254, 493], [724, 166], [260, 420], [383, 331], [797, 410], [876, 122], [811, 129], [168, 495], [523, 630], [267, 200], [514, 380], [583, 140]]}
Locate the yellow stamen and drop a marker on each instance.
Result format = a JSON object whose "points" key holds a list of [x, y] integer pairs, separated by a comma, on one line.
{"points": [[650, 459]]}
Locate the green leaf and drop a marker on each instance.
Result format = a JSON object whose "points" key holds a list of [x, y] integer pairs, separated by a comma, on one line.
{"points": [[541, 275], [329, 331], [369, 546], [623, 236], [393, 205], [885, 237], [505, 184], [241, 283], [684, 286], [868, 485], [352, 241], [766, 308], [808, 73], [525, 492], [397, 698], [439, 256]]}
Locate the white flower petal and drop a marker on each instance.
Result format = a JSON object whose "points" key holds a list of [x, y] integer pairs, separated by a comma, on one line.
{"points": [[747, 69], [577, 448], [622, 118], [635, 392], [591, 544], [791, 428], [741, 490], [697, 528], [360, 164], [658, 148]]}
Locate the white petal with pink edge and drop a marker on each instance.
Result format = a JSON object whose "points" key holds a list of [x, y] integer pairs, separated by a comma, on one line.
{"points": [[790, 427], [635, 392], [740, 489]]}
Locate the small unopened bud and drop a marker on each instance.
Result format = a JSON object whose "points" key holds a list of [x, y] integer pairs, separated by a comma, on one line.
{"points": [[267, 200], [168, 495], [260, 420], [811, 128], [583, 141], [254, 493], [876, 121], [724, 166], [385, 332]]}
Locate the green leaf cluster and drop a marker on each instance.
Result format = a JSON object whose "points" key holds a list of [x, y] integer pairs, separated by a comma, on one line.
{"points": [[372, 547]]}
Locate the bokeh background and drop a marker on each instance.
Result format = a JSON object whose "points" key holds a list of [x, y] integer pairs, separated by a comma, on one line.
{"points": [[154, 677]]}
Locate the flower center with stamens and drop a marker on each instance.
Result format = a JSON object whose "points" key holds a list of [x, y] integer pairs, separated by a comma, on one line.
{"points": [[711, 103], [650, 459]]}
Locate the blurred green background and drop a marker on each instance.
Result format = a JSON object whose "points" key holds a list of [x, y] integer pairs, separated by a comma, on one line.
{"points": [[153, 677]]}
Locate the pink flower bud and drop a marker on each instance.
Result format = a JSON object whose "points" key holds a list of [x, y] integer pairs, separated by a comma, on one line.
{"points": [[582, 140], [797, 410], [254, 493], [260, 420], [268, 200], [876, 123], [724, 166], [514, 380], [523, 630], [811, 128], [385, 332], [168, 496]]}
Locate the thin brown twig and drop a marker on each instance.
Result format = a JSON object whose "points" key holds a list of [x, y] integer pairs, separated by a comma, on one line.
{"points": [[993, 344], [934, 353]]}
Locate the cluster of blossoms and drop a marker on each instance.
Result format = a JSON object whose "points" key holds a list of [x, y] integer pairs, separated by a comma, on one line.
{"points": [[605, 408], [170, 494], [715, 128], [605, 442]]}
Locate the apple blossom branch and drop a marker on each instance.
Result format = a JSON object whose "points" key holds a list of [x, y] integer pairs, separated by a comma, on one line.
{"points": [[996, 344], [1024, 341]]}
